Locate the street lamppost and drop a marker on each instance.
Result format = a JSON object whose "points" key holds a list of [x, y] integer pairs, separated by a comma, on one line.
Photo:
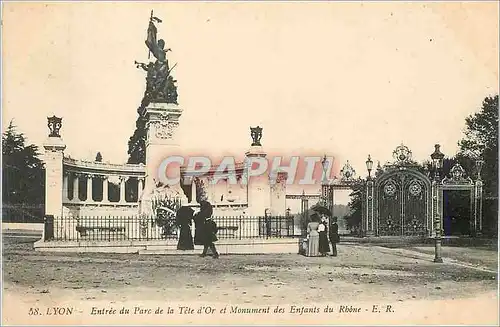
{"points": [[369, 166], [324, 182], [437, 163], [367, 220]]}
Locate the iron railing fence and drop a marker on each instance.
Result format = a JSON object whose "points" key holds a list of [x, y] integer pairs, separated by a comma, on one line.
{"points": [[123, 228]]}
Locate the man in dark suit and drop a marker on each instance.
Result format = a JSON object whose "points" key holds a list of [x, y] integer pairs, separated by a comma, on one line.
{"points": [[209, 237], [334, 236]]}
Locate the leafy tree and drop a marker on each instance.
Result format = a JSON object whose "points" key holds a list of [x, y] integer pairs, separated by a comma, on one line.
{"points": [[137, 142], [23, 179], [481, 141], [353, 218]]}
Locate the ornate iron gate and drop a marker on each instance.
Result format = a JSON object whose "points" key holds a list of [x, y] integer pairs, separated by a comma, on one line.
{"points": [[402, 198]]}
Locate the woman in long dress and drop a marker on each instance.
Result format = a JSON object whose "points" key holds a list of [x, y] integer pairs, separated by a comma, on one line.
{"points": [[313, 236], [324, 247], [184, 218]]}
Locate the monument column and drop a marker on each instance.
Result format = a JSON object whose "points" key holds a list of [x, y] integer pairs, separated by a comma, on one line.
{"points": [[76, 192], [140, 187], [89, 188], [162, 122], [105, 196], [53, 158], [193, 191], [160, 113], [123, 179], [65, 186], [258, 187]]}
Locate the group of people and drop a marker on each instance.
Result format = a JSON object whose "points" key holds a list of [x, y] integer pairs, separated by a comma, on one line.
{"points": [[321, 234], [205, 229]]}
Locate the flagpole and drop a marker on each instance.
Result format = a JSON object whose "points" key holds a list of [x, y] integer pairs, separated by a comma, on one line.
{"points": [[147, 36]]}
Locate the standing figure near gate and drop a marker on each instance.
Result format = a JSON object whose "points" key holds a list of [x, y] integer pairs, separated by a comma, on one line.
{"points": [[313, 236], [324, 247], [334, 236]]}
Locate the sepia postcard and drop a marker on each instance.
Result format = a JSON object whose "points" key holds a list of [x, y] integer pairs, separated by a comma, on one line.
{"points": [[250, 163]]}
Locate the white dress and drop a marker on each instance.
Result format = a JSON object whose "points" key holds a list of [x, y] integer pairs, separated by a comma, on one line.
{"points": [[313, 236]]}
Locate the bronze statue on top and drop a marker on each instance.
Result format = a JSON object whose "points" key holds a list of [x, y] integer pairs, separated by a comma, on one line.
{"points": [[160, 85]]}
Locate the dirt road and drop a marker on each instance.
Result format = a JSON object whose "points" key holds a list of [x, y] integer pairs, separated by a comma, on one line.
{"points": [[358, 274]]}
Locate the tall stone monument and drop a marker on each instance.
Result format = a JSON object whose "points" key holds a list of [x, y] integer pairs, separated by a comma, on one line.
{"points": [[161, 112], [258, 192], [53, 158]]}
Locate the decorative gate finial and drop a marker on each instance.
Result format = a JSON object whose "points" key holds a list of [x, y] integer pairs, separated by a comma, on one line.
{"points": [[54, 123], [347, 173], [402, 154], [457, 176]]}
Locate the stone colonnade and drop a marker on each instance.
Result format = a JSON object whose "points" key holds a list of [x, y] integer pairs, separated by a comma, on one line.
{"points": [[72, 194]]}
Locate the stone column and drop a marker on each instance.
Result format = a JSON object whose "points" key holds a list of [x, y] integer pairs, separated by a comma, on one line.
{"points": [[105, 196], [53, 158], [65, 187], [258, 187], [76, 192], [140, 187], [193, 191], [89, 188], [123, 179]]}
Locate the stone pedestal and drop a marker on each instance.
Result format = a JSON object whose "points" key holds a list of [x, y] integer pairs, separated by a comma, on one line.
{"points": [[162, 122], [53, 159], [258, 187]]}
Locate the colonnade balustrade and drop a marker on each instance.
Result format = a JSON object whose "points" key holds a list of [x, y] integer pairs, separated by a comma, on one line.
{"points": [[91, 188]]}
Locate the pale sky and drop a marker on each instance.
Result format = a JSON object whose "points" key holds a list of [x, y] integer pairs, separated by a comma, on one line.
{"points": [[348, 79]]}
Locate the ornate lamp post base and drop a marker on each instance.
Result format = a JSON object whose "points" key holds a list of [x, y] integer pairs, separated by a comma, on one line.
{"points": [[437, 250]]}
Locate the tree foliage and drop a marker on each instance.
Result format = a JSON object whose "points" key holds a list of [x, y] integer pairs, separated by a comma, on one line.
{"points": [[137, 142], [481, 142], [354, 217], [23, 173]]}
